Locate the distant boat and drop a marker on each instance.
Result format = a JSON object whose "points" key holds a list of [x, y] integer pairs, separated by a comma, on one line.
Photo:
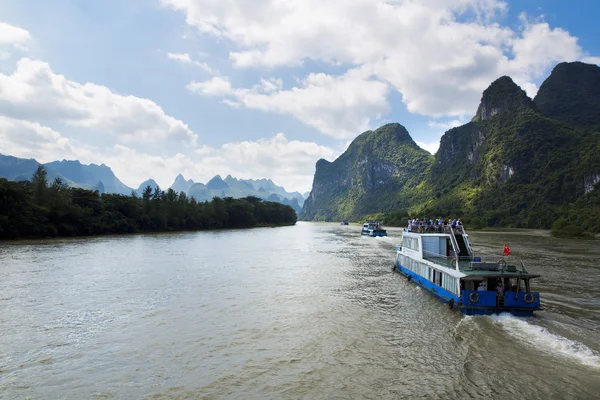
{"points": [[344, 222], [440, 259], [373, 228]]}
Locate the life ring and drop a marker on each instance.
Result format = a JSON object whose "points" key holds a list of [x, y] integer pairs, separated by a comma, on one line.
{"points": [[474, 297], [451, 303], [528, 298]]}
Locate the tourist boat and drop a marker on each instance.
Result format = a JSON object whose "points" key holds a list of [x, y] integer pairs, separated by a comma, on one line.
{"points": [[372, 228], [440, 260]]}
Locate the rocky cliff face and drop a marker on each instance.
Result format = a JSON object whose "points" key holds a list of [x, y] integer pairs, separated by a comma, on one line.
{"points": [[571, 94], [502, 96], [376, 173], [504, 156], [475, 151]]}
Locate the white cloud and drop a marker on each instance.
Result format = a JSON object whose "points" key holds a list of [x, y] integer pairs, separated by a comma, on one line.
{"points": [[35, 93], [540, 46], [214, 87], [32, 140], [439, 54], [338, 106], [445, 125], [290, 163], [181, 57], [591, 60], [186, 59], [232, 104], [431, 147], [14, 36]]}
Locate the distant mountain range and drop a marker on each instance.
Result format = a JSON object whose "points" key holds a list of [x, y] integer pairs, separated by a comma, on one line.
{"points": [[103, 179], [521, 162]]}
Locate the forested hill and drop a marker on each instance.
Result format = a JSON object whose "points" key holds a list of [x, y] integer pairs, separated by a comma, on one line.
{"points": [[380, 170], [43, 209], [518, 163]]}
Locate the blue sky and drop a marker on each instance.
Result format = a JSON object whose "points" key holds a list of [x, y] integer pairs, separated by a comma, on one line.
{"points": [[154, 88]]}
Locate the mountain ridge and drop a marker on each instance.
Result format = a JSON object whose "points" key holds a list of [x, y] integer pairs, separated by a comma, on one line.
{"points": [[511, 165], [101, 178]]}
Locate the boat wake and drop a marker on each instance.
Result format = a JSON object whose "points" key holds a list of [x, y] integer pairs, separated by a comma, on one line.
{"points": [[546, 341], [466, 320]]}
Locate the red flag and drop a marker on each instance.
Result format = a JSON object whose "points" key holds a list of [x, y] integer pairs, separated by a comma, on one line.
{"points": [[506, 250]]}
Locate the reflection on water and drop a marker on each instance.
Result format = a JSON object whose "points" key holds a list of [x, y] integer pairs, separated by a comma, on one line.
{"points": [[310, 311]]}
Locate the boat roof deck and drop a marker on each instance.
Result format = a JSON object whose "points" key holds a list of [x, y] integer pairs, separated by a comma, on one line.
{"points": [[499, 273], [468, 267]]}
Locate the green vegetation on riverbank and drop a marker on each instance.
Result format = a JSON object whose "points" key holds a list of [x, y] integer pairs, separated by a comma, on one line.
{"points": [[40, 209]]}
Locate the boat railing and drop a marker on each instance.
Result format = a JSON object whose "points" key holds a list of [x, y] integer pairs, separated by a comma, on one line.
{"points": [[489, 263], [437, 229], [444, 261]]}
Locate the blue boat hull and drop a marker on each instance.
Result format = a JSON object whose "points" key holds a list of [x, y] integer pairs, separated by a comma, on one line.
{"points": [[516, 307]]}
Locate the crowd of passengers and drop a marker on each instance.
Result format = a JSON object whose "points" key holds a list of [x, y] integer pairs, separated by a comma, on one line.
{"points": [[434, 225]]}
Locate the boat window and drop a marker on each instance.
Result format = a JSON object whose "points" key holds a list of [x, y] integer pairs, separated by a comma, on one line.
{"points": [[437, 277], [440, 278], [410, 242], [431, 244], [413, 265], [449, 283]]}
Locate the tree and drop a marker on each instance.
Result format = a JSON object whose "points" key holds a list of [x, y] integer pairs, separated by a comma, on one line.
{"points": [[75, 211], [60, 195], [40, 184], [158, 194], [147, 193]]}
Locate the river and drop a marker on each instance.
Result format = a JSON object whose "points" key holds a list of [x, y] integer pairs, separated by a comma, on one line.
{"points": [[308, 311]]}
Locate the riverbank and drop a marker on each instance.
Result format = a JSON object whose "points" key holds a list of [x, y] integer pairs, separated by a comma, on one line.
{"points": [[38, 210]]}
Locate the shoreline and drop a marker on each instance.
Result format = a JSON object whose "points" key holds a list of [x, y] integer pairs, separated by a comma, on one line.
{"points": [[142, 232]]}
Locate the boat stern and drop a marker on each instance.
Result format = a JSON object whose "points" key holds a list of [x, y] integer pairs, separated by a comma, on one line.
{"points": [[488, 302]]}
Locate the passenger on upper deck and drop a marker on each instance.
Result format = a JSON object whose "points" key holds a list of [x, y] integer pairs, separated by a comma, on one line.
{"points": [[481, 287], [459, 227]]}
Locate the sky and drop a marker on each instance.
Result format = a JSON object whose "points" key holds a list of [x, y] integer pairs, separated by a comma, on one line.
{"points": [[261, 88]]}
